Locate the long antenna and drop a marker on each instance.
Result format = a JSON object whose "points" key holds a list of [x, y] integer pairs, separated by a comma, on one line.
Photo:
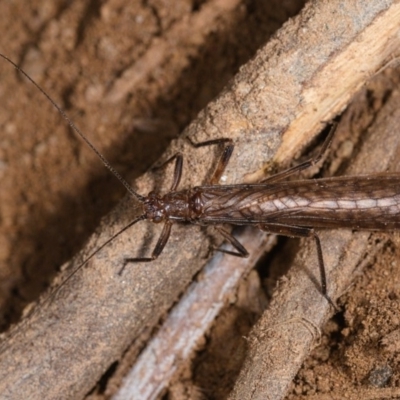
{"points": [[128, 187]]}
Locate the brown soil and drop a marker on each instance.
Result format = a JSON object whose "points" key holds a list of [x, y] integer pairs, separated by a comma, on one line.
{"points": [[54, 191], [358, 357]]}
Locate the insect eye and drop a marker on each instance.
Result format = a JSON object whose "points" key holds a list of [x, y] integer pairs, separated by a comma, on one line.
{"points": [[158, 216]]}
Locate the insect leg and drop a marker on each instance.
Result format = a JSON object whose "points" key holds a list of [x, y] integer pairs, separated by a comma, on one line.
{"points": [[306, 164], [224, 159], [241, 251], [298, 231], [177, 171], [162, 241]]}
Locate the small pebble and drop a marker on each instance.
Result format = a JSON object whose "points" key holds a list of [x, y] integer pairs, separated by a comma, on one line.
{"points": [[380, 376]]}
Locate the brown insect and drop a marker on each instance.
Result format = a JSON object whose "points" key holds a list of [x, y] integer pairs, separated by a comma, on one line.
{"points": [[289, 208]]}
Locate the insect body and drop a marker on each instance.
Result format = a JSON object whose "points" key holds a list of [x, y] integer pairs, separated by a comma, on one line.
{"points": [[290, 208]]}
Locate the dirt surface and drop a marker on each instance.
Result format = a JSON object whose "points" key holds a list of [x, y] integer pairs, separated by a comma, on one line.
{"points": [[358, 357], [54, 191]]}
